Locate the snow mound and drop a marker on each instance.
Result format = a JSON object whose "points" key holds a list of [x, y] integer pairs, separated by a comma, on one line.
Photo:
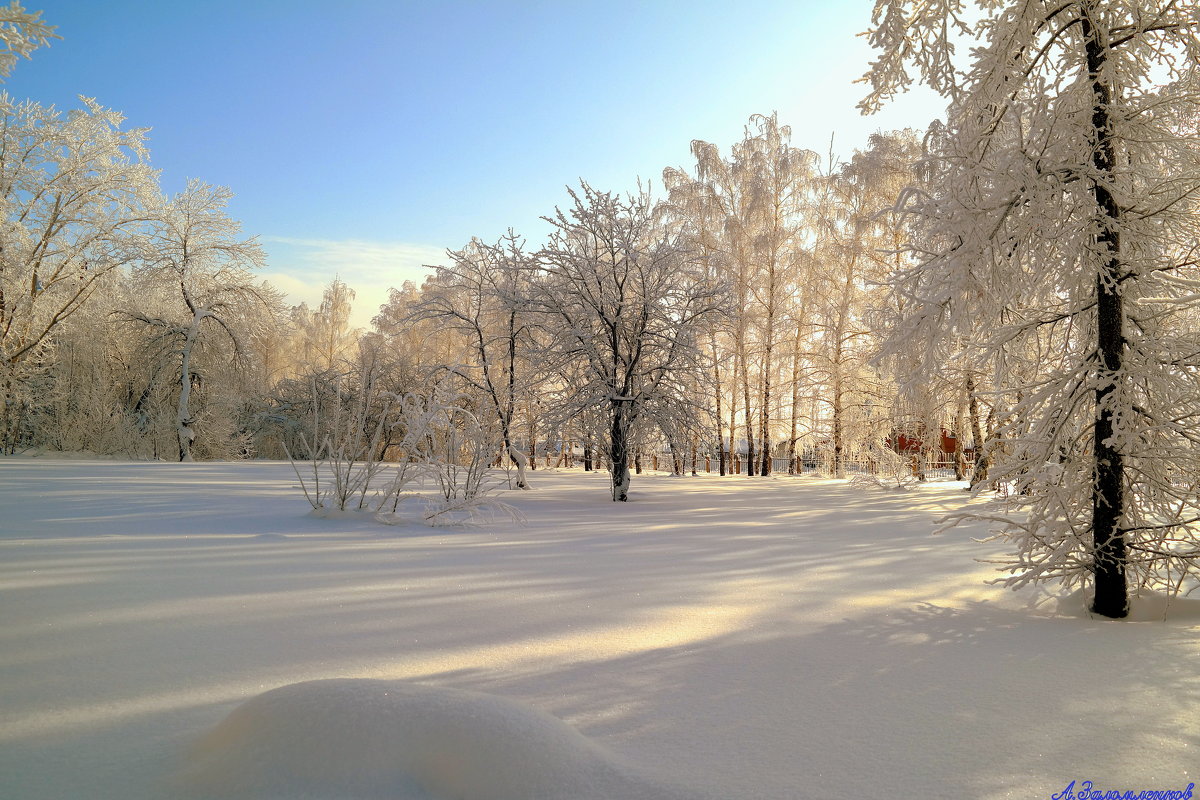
{"points": [[351, 738], [1148, 606]]}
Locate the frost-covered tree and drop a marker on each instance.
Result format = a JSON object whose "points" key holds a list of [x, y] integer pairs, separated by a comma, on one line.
{"points": [[745, 216], [1059, 252], [199, 262], [413, 341], [73, 195], [99, 397], [322, 368], [624, 298], [325, 338], [775, 180], [483, 297], [855, 247], [697, 209]]}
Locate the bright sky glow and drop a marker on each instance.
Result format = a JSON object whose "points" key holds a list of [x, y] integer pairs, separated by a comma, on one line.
{"points": [[366, 137]]}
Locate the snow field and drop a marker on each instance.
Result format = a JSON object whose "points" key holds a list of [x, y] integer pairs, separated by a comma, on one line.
{"points": [[713, 638]]}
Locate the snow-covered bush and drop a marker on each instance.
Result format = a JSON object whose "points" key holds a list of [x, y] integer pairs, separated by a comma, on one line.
{"points": [[892, 470], [458, 452], [436, 442], [452, 449], [348, 454]]}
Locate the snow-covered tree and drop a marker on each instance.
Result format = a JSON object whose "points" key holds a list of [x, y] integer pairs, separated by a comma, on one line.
{"points": [[626, 300], [96, 397], [324, 365], [745, 216], [194, 254], [73, 193], [1059, 252], [325, 338], [413, 341], [775, 180], [483, 297], [697, 208], [855, 247]]}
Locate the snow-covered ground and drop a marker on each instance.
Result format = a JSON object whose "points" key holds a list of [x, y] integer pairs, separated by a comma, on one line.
{"points": [[733, 638]]}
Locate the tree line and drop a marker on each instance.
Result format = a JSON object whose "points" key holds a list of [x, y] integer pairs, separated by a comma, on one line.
{"points": [[728, 318]]}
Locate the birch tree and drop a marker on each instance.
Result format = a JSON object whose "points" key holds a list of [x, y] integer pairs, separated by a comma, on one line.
{"points": [[856, 245], [778, 179], [626, 301], [745, 215], [411, 351], [1064, 234], [696, 209], [716, 212], [325, 340]]}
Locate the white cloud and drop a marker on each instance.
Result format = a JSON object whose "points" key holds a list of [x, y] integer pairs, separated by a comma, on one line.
{"points": [[304, 267], [297, 290]]}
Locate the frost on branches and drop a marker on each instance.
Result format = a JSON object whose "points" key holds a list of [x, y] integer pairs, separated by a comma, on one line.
{"points": [[21, 32], [624, 300], [1059, 253], [483, 298], [434, 440], [73, 192], [194, 251]]}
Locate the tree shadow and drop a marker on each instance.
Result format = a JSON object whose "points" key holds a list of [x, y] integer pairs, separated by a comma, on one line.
{"points": [[776, 641]]}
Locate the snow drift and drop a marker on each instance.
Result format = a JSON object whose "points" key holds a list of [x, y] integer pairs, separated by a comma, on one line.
{"points": [[404, 741]]}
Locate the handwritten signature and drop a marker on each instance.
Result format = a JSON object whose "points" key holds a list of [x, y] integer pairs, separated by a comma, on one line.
{"points": [[1088, 791]]}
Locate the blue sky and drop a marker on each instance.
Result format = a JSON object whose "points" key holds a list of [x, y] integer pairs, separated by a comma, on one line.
{"points": [[365, 137]]}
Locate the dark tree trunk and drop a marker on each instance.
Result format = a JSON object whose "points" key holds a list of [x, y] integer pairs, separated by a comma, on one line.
{"points": [[734, 464], [508, 408], [717, 397], [751, 462], [1108, 491], [793, 460], [619, 451], [839, 470], [532, 435], [765, 422]]}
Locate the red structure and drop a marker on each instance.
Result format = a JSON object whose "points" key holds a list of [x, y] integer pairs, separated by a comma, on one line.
{"points": [[911, 443]]}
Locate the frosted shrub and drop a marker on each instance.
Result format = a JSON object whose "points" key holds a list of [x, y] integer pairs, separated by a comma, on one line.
{"points": [[892, 470], [439, 443], [348, 454], [456, 452], [412, 417]]}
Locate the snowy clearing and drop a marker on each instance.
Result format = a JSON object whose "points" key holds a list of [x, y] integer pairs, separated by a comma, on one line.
{"points": [[713, 638]]}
